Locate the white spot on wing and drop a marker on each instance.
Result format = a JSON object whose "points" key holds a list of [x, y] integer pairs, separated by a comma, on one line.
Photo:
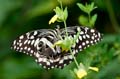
{"points": [[17, 48], [81, 32], [84, 36], [37, 55], [32, 42], [92, 30], [48, 63], [77, 41], [21, 37], [99, 34], [87, 41], [93, 37], [40, 59], [14, 47], [44, 60], [76, 50], [36, 42], [25, 47], [80, 46], [35, 32], [25, 41], [88, 36], [32, 37], [51, 60], [91, 42], [83, 43], [65, 57], [52, 67], [80, 38], [14, 42], [29, 49], [29, 41], [44, 66], [61, 61], [20, 44], [78, 28]]}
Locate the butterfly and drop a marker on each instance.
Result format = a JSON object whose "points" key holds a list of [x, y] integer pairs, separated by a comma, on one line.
{"points": [[38, 44]]}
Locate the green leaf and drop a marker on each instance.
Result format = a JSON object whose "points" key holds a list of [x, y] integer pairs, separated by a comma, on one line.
{"points": [[83, 20], [93, 19], [57, 10], [62, 14], [87, 8], [82, 7], [65, 44], [91, 7], [65, 13]]}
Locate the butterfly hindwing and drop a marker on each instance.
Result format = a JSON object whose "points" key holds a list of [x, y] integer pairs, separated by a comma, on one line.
{"points": [[86, 38]]}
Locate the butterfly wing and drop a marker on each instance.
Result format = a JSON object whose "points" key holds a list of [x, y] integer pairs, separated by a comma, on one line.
{"points": [[87, 37], [39, 44], [28, 43]]}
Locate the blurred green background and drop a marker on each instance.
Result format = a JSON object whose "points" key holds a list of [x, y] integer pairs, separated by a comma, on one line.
{"points": [[20, 16]]}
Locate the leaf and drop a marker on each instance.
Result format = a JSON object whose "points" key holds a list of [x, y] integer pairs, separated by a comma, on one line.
{"points": [[87, 8], [62, 14], [92, 7], [65, 13], [82, 7], [93, 19], [83, 20]]}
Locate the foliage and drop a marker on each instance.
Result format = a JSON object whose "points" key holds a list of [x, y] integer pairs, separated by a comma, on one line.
{"points": [[87, 8], [21, 16]]}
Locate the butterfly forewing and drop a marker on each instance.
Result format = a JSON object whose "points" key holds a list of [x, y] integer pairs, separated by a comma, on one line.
{"points": [[25, 43], [39, 44]]}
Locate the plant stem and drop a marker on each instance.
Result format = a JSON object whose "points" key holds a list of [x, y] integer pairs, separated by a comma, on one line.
{"points": [[66, 28], [67, 36], [70, 48], [74, 59], [89, 19]]}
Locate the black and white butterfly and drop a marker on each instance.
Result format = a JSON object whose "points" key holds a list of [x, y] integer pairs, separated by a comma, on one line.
{"points": [[39, 44]]}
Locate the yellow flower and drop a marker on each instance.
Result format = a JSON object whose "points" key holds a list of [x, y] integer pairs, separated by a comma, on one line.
{"points": [[94, 69], [80, 73], [53, 19]]}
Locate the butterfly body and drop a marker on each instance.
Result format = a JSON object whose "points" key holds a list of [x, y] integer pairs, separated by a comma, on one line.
{"points": [[39, 44]]}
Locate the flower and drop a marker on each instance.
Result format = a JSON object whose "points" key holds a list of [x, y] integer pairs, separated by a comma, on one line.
{"points": [[60, 15], [94, 69], [53, 19], [81, 72]]}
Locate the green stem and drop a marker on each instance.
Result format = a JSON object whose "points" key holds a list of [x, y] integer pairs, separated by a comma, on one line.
{"points": [[66, 28], [89, 19], [74, 59], [70, 48], [67, 36]]}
